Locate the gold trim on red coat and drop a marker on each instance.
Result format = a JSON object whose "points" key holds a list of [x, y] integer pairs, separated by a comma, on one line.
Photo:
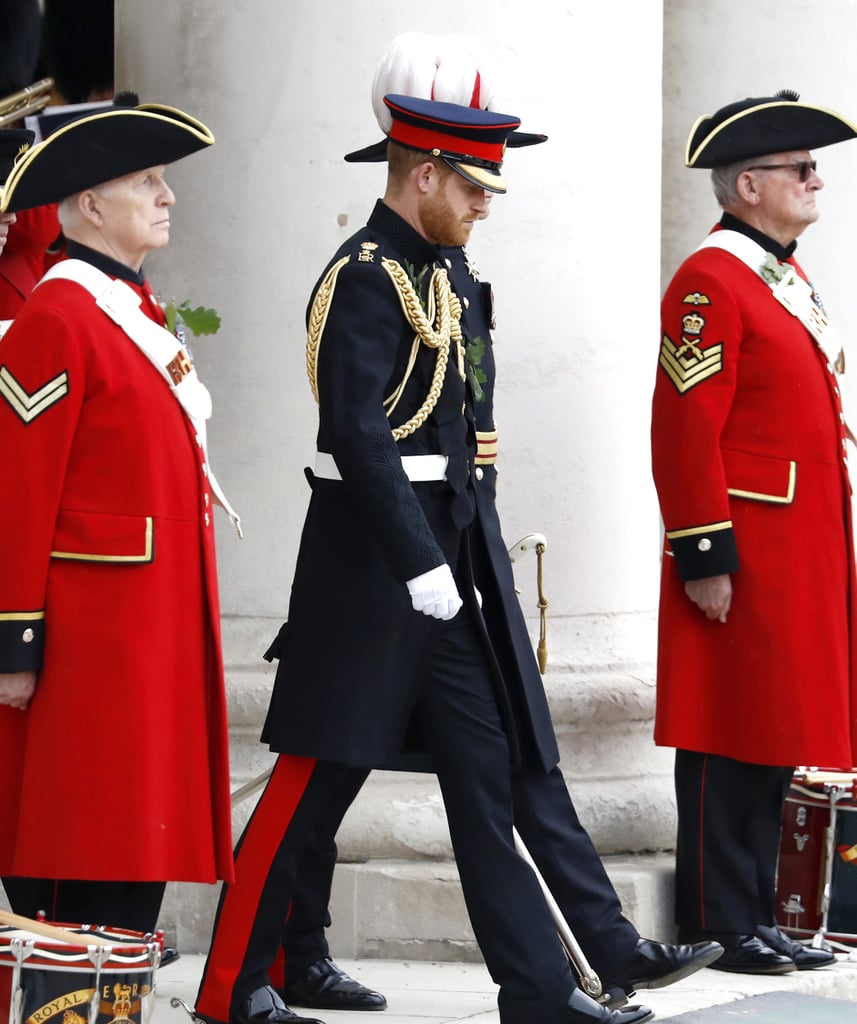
{"points": [[694, 530], [89, 537], [771, 499]]}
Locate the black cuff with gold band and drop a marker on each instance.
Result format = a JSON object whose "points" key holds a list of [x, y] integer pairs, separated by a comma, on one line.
{"points": [[22, 641], [702, 551]]}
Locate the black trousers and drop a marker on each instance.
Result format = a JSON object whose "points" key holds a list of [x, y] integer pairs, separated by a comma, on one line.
{"points": [[729, 822], [458, 717], [131, 905], [563, 852]]}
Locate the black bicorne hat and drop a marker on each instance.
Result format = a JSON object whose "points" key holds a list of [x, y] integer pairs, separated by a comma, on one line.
{"points": [[14, 142], [98, 147], [760, 126]]}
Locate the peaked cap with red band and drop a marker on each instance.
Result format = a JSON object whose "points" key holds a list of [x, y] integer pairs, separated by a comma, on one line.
{"points": [[471, 141]]}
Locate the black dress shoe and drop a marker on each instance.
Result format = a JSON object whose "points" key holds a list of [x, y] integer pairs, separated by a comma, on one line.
{"points": [[581, 1009], [751, 956], [264, 1006], [805, 958], [655, 964], [326, 986]]}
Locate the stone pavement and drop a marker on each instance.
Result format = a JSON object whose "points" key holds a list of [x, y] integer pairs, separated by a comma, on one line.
{"points": [[420, 992]]}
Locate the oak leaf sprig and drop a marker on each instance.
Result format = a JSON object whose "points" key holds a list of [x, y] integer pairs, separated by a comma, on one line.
{"points": [[197, 319]]}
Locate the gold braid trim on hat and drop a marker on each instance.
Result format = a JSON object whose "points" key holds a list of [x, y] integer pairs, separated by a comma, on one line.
{"points": [[442, 308]]}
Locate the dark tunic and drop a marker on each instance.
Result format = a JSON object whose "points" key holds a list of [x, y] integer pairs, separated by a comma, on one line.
{"points": [[353, 654]]}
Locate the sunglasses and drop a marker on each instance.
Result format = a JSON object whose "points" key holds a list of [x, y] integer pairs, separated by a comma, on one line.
{"points": [[803, 167]]}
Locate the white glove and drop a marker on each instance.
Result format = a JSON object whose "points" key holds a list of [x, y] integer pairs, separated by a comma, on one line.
{"points": [[435, 593]]}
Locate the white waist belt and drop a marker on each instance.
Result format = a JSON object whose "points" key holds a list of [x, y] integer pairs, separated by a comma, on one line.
{"points": [[419, 468]]}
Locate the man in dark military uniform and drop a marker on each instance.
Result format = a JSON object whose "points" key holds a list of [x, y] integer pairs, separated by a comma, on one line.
{"points": [[385, 632], [543, 811]]}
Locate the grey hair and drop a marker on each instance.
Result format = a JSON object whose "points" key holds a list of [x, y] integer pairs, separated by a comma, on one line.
{"points": [[67, 210], [724, 180]]}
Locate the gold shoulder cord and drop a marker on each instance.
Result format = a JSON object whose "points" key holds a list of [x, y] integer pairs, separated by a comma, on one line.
{"points": [[317, 319], [443, 309]]}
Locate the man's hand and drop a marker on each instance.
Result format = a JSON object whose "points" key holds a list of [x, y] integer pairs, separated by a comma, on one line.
{"points": [[713, 595], [17, 688], [435, 593]]}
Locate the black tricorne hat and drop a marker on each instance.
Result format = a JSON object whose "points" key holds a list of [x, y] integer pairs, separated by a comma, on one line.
{"points": [[99, 147], [760, 126], [472, 141], [14, 142]]}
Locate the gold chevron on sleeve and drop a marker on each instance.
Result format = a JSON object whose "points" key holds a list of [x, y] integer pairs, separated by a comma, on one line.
{"points": [[686, 375], [30, 406]]}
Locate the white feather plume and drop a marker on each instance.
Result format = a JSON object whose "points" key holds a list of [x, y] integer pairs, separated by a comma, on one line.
{"points": [[454, 68]]}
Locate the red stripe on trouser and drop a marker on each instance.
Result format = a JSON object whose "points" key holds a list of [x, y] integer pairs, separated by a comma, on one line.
{"points": [[702, 779], [259, 846]]}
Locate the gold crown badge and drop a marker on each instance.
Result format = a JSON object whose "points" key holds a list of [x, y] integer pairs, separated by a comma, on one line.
{"points": [[693, 323]]}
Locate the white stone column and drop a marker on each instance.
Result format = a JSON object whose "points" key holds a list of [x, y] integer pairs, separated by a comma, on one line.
{"points": [[573, 253]]}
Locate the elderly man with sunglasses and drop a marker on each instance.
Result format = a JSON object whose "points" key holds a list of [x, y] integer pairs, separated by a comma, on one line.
{"points": [[756, 631]]}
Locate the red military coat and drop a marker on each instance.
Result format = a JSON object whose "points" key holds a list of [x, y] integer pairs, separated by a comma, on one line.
{"points": [[25, 256], [749, 461], [119, 768]]}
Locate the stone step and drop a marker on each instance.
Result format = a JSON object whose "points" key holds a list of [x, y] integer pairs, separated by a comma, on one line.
{"points": [[414, 910]]}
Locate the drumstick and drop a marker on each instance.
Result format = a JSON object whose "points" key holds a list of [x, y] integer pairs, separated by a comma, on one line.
{"points": [[51, 931]]}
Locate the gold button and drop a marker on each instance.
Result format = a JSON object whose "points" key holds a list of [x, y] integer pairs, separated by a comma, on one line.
{"points": [[479, 473], [204, 469], [28, 636], [465, 302], [704, 544], [207, 519], [448, 264]]}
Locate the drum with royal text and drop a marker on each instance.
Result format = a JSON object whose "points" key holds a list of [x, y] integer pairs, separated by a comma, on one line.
{"points": [[44, 981]]}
